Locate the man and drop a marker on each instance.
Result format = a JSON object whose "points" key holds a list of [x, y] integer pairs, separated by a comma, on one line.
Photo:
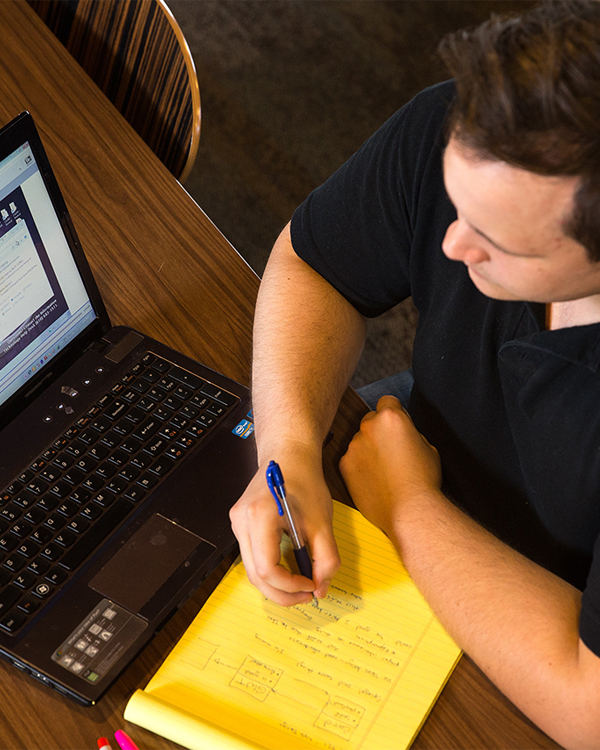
{"points": [[500, 172]]}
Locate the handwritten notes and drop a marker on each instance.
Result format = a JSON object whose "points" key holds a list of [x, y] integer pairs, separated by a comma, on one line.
{"points": [[360, 672]]}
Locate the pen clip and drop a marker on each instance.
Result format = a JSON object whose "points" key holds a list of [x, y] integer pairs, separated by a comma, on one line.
{"points": [[275, 484]]}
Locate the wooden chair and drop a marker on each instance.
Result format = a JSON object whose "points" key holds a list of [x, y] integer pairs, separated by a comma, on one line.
{"points": [[136, 53]]}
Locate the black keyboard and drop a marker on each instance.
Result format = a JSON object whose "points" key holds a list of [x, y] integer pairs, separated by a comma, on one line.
{"points": [[56, 513]]}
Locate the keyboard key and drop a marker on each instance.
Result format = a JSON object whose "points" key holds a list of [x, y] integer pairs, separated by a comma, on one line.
{"points": [[8, 543], [55, 521], [119, 457], [42, 535], [117, 485], [147, 481], [13, 620], [63, 461], [34, 516], [135, 494], [51, 551], [56, 575], [182, 393], [172, 402], [129, 474], [189, 412], [11, 512], [25, 499], [101, 424], [42, 590], [76, 449], [61, 489], [205, 420], [80, 496], [89, 436], [149, 427], [186, 441], [37, 486], [216, 410], [167, 384], [124, 426], [22, 529], [91, 512], [214, 392], [50, 474], [94, 483], [99, 452], [161, 466], [74, 476], [106, 470], [29, 548], [112, 439], [26, 477], [195, 430], [131, 445], [187, 378], [117, 410], [142, 460], [48, 502], [14, 563], [169, 432], [25, 579], [28, 604], [38, 566], [175, 452], [104, 499], [65, 538], [87, 464], [79, 525], [68, 508]]}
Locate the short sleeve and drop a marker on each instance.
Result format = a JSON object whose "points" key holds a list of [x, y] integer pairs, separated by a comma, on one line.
{"points": [[357, 229]]}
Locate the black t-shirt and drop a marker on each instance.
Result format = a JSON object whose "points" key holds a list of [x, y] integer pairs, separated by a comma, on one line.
{"points": [[514, 409]]}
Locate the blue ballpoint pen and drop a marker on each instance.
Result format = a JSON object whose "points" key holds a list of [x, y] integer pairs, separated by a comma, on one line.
{"points": [[276, 485]]}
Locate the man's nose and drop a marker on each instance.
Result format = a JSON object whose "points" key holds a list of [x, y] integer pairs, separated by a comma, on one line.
{"points": [[463, 244]]}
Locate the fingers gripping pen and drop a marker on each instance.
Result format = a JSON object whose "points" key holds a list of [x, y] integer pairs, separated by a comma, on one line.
{"points": [[276, 485]]}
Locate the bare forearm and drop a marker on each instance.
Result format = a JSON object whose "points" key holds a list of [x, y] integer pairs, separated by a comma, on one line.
{"points": [[307, 341], [519, 622], [516, 620]]}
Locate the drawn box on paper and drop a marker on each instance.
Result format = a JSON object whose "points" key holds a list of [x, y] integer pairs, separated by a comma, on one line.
{"points": [[256, 678], [340, 716]]}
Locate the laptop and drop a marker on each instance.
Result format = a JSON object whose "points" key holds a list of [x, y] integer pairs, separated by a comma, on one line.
{"points": [[119, 457]]}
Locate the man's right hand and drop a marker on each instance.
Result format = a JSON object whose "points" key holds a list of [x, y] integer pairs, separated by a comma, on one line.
{"points": [[258, 528]]}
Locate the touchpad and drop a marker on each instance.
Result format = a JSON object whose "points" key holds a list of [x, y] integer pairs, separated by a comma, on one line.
{"points": [[146, 562]]}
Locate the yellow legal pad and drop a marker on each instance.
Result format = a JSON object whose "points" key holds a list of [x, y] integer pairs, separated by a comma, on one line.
{"points": [[361, 672]]}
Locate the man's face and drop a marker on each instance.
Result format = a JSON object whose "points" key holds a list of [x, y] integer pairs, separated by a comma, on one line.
{"points": [[510, 231]]}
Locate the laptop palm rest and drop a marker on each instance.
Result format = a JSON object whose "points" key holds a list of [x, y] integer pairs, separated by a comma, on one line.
{"points": [[147, 561]]}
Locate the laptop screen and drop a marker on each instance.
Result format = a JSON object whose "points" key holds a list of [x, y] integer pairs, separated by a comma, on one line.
{"points": [[43, 301]]}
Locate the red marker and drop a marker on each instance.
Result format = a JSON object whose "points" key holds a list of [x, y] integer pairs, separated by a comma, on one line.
{"points": [[104, 744]]}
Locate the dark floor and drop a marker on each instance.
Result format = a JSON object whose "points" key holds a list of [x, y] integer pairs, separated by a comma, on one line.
{"points": [[290, 89]]}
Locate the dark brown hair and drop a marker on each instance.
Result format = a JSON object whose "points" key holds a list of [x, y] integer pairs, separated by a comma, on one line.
{"points": [[528, 93]]}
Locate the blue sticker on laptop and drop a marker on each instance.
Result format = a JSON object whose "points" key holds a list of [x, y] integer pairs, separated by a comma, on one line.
{"points": [[244, 429]]}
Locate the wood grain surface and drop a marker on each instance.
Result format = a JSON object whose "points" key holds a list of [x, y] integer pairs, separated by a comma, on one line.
{"points": [[165, 269]]}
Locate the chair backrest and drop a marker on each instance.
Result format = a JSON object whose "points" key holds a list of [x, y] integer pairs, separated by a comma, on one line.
{"points": [[136, 53]]}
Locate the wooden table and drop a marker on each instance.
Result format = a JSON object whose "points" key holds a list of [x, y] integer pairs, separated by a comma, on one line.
{"points": [[165, 269]]}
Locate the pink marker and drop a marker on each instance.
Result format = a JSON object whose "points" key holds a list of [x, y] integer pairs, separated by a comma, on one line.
{"points": [[125, 741], [104, 744]]}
